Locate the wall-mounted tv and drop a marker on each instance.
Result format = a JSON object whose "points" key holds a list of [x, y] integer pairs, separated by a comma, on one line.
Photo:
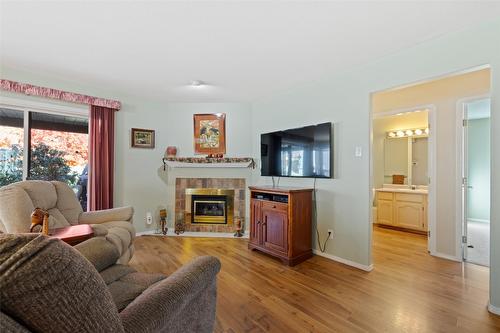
{"points": [[298, 152]]}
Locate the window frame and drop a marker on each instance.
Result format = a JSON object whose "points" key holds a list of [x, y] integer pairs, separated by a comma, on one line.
{"points": [[28, 106]]}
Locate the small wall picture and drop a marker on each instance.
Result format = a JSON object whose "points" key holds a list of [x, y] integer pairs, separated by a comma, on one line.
{"points": [[210, 133], [143, 138]]}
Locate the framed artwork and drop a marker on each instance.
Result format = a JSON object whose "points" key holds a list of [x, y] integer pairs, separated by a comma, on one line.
{"points": [[143, 138], [210, 133]]}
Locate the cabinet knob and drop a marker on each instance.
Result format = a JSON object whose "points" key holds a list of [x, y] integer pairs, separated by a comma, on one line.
{"points": [[274, 206], [258, 222]]}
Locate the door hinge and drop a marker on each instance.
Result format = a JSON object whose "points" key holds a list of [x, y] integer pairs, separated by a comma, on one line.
{"points": [[464, 122], [464, 180], [464, 239]]}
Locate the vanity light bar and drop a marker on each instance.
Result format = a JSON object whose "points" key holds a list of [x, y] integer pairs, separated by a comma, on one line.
{"points": [[408, 133]]}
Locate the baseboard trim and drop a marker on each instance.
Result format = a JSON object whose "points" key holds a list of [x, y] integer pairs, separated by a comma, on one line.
{"points": [[446, 256], [344, 261], [494, 309], [478, 220], [192, 234], [142, 233]]}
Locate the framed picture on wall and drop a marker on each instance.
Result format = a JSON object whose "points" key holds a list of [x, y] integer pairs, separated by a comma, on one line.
{"points": [[210, 133], [143, 138]]}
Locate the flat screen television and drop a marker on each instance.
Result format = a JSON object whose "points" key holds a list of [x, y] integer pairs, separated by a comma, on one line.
{"points": [[298, 152]]}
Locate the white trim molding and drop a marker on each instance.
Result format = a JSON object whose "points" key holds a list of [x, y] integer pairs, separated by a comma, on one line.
{"points": [[493, 309], [347, 262], [478, 220], [45, 107], [446, 256], [459, 212], [171, 232], [432, 164]]}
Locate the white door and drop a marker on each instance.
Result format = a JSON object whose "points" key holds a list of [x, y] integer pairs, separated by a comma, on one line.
{"points": [[476, 182]]}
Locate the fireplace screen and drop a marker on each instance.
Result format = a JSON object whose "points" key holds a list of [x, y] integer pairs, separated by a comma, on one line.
{"points": [[209, 209]]}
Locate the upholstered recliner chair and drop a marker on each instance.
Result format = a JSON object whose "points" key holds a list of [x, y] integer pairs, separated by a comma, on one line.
{"points": [[18, 200], [49, 286]]}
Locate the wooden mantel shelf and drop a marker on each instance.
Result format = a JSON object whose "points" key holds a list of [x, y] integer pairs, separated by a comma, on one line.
{"points": [[203, 162]]}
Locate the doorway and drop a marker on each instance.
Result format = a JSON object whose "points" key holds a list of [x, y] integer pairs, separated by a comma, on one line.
{"points": [[475, 165], [403, 163]]}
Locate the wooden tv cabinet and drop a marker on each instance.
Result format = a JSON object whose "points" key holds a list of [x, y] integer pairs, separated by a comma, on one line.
{"points": [[281, 222]]}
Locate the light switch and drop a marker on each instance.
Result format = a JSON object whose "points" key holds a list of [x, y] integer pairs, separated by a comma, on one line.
{"points": [[358, 152]]}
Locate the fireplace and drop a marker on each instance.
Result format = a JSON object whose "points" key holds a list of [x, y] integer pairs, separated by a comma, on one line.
{"points": [[208, 206]]}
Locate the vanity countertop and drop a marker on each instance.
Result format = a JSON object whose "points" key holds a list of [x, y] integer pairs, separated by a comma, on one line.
{"points": [[403, 190]]}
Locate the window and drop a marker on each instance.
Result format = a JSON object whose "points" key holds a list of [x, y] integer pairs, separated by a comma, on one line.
{"points": [[11, 146], [57, 148]]}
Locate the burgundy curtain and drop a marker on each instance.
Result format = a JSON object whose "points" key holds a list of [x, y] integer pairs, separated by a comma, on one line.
{"points": [[101, 157]]}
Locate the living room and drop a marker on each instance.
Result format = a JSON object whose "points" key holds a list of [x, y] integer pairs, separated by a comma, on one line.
{"points": [[259, 68]]}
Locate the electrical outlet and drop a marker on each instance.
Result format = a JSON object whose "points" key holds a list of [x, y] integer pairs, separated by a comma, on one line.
{"points": [[330, 233], [149, 218]]}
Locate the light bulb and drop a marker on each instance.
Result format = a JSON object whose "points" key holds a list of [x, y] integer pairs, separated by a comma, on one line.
{"points": [[427, 131], [409, 132], [418, 131], [400, 133], [392, 134]]}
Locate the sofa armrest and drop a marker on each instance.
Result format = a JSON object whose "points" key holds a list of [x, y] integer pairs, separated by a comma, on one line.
{"points": [[183, 302], [107, 215]]}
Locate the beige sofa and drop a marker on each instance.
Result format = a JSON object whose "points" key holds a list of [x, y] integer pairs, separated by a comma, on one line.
{"points": [[18, 200]]}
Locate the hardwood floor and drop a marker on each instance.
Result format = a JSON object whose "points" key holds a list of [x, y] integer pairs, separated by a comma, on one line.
{"points": [[408, 290]]}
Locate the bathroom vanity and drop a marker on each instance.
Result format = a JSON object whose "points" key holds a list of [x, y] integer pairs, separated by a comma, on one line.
{"points": [[402, 207]]}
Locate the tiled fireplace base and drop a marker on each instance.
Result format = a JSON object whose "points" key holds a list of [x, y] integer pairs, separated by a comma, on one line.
{"points": [[183, 213]]}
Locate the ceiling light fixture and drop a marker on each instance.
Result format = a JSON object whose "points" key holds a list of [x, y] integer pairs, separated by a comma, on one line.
{"points": [[197, 83], [413, 132]]}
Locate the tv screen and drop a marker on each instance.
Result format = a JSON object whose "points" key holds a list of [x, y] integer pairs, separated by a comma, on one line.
{"points": [[298, 152]]}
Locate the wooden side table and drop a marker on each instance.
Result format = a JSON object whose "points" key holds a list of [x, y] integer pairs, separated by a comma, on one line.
{"points": [[74, 234]]}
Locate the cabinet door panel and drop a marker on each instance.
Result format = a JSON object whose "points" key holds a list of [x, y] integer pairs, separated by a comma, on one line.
{"points": [[275, 228], [255, 222], [410, 215], [385, 212]]}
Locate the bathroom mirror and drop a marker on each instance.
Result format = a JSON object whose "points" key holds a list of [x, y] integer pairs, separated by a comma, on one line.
{"points": [[406, 156]]}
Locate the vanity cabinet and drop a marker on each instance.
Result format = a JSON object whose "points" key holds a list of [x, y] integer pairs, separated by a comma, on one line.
{"points": [[281, 223], [403, 210]]}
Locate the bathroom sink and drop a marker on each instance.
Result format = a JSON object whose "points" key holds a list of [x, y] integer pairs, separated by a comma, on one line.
{"points": [[403, 189]]}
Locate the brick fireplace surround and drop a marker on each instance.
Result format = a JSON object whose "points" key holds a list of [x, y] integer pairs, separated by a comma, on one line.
{"points": [[182, 215]]}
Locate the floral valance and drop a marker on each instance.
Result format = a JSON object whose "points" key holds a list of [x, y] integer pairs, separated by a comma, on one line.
{"points": [[29, 89]]}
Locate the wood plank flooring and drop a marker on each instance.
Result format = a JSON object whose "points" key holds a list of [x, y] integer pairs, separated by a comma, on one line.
{"points": [[408, 290]]}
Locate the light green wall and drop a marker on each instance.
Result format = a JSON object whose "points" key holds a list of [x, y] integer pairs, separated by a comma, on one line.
{"points": [[478, 203], [139, 177], [344, 202]]}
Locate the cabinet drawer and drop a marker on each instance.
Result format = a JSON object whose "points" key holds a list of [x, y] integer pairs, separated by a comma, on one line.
{"points": [[275, 205], [410, 197], [384, 195]]}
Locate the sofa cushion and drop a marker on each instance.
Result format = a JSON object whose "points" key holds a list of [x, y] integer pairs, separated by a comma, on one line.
{"points": [[56, 219], [99, 230], [42, 193], [115, 272], [143, 279], [67, 203], [121, 224], [49, 287], [101, 253], [124, 293], [129, 286], [15, 209], [120, 237]]}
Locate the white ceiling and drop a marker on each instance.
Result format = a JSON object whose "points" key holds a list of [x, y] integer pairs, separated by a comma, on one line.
{"points": [[244, 50]]}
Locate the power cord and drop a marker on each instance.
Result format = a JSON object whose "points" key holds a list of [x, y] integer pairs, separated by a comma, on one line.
{"points": [[315, 217]]}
